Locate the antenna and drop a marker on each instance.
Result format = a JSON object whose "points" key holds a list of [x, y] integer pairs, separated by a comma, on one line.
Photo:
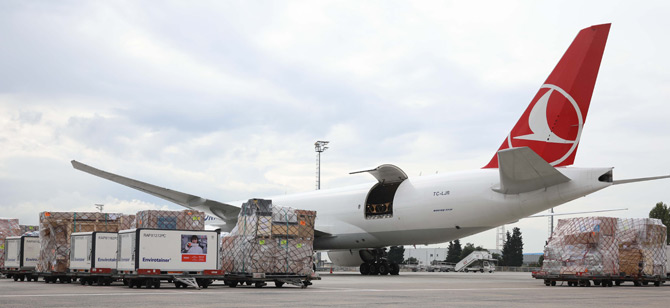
{"points": [[319, 147]]}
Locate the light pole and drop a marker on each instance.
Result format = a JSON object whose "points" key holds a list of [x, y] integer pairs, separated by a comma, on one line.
{"points": [[319, 147], [100, 207]]}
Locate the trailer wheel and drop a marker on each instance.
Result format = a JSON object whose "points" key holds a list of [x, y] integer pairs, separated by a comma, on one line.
{"points": [[636, 283], [260, 284], [249, 283], [100, 281], [125, 281], [148, 283], [82, 281], [232, 284], [617, 282], [16, 278], [89, 281], [645, 283], [553, 283], [279, 284], [157, 284], [657, 283], [129, 283]]}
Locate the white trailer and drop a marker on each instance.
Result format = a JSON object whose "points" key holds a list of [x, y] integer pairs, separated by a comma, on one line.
{"points": [[21, 254], [186, 257], [93, 256]]}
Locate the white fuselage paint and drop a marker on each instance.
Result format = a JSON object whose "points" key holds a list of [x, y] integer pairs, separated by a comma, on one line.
{"points": [[423, 211]]}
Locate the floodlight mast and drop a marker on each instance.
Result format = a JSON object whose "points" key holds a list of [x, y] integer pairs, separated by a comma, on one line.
{"points": [[100, 207], [319, 147]]}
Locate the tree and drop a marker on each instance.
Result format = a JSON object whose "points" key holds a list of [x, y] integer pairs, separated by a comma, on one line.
{"points": [[662, 212], [541, 260], [396, 254], [468, 249], [411, 260], [454, 252], [513, 249]]}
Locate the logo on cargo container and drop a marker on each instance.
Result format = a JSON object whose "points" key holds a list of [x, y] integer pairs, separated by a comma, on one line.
{"points": [[156, 259]]}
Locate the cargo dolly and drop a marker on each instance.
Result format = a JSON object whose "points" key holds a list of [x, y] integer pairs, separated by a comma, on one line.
{"points": [[585, 279], [261, 279], [20, 274], [152, 278], [54, 277], [99, 276]]}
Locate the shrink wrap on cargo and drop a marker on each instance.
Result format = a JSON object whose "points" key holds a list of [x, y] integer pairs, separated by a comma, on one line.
{"points": [[8, 227], [170, 220], [607, 246], [28, 229], [55, 231], [269, 239]]}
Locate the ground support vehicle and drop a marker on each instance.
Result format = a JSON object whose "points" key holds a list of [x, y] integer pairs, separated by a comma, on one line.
{"points": [[261, 279], [586, 280]]}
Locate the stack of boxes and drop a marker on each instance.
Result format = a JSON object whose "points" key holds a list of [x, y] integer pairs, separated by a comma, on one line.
{"points": [[642, 247], [55, 229], [25, 229], [603, 246], [170, 220], [269, 239], [8, 227], [126, 222]]}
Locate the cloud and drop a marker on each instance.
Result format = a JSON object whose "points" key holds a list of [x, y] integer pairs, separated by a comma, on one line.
{"points": [[225, 99]]}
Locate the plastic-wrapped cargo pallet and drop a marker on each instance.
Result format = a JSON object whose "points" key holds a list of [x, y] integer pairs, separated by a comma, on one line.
{"points": [[28, 229], [269, 239], [642, 247], [170, 220], [606, 246], [8, 227], [55, 231], [584, 244]]}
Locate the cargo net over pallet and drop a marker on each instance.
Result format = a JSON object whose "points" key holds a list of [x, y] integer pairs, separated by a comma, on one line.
{"points": [[606, 246], [170, 220], [55, 231], [8, 227], [269, 239]]}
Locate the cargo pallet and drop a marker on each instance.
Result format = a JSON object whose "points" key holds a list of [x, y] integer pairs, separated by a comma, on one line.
{"points": [[20, 274], [152, 278], [585, 279], [261, 279]]}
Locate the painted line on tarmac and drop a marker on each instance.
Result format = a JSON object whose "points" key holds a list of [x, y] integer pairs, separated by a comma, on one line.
{"points": [[254, 290]]}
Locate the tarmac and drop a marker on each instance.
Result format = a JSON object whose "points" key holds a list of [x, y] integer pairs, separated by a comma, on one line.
{"points": [[421, 289]]}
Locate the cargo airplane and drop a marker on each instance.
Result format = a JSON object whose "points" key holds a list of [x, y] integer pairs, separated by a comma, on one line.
{"points": [[528, 174]]}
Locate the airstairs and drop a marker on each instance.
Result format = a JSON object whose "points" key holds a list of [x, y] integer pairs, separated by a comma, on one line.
{"points": [[472, 258]]}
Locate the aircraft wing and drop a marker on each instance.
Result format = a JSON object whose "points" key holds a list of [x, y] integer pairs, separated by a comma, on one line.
{"points": [[521, 170], [228, 213]]}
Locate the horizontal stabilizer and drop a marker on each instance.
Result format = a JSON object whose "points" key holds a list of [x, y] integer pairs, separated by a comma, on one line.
{"points": [[226, 212], [521, 170], [640, 179]]}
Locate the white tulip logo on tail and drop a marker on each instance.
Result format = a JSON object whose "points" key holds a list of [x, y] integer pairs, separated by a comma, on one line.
{"points": [[538, 123]]}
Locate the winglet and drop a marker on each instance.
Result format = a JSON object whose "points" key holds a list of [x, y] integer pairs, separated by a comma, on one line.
{"points": [[522, 170]]}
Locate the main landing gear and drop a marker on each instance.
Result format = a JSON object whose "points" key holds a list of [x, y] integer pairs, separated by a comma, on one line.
{"points": [[375, 262]]}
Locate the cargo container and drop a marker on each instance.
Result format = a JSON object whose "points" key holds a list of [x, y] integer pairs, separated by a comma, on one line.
{"points": [[145, 257], [21, 254], [93, 257]]}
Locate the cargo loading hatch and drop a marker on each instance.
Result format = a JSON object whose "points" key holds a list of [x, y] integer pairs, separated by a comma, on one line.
{"points": [[379, 201]]}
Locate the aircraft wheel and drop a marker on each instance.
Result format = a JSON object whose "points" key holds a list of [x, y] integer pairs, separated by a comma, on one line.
{"points": [[373, 269], [394, 269], [383, 268], [365, 268]]}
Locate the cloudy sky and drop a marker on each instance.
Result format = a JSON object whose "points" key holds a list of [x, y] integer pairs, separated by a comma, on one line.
{"points": [[226, 99]]}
